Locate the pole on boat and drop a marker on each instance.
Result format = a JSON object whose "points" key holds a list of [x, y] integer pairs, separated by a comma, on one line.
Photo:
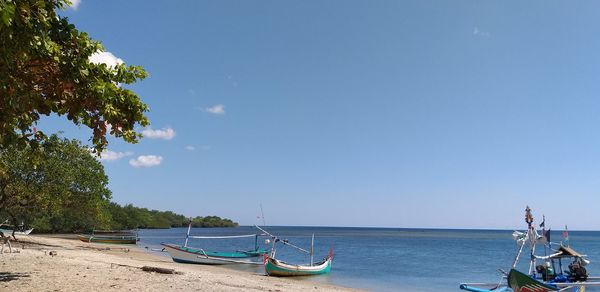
{"points": [[187, 236], [262, 215], [520, 251], [532, 237], [283, 241], [312, 249]]}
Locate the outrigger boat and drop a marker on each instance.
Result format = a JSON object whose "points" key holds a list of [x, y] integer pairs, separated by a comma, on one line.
{"points": [[275, 267], [7, 229], [110, 236], [190, 255], [546, 276]]}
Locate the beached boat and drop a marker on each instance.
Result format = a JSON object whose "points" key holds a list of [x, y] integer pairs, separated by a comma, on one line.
{"points": [[114, 237], [191, 255], [545, 272], [7, 229], [275, 267]]}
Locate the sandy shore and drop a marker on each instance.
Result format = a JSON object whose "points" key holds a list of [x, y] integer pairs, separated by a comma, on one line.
{"points": [[79, 266]]}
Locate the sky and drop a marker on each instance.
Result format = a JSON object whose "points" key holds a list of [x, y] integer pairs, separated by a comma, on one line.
{"points": [[435, 114]]}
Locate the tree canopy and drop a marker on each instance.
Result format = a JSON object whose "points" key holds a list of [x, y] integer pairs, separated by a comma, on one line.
{"points": [[45, 68], [66, 189]]}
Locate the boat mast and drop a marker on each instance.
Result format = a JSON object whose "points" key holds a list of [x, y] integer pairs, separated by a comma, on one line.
{"points": [[531, 236], [312, 249], [187, 236]]}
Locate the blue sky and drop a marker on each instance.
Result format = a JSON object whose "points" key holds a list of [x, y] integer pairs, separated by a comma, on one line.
{"points": [[359, 113]]}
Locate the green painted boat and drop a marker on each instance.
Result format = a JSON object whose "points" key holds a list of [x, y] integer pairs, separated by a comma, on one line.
{"points": [[520, 282], [548, 271], [275, 267]]}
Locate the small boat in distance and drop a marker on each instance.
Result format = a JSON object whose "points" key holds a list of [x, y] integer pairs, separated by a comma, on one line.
{"points": [[275, 267], [190, 255], [110, 236]]}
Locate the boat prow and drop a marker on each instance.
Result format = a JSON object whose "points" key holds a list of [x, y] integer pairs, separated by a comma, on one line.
{"points": [[519, 281]]}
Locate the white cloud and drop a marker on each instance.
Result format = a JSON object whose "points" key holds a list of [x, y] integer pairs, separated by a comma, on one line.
{"points": [[75, 4], [105, 58], [109, 155], [481, 33], [217, 109], [190, 148], [164, 133], [146, 161]]}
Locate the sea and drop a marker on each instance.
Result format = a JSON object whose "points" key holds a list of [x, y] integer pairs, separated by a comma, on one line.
{"points": [[387, 259]]}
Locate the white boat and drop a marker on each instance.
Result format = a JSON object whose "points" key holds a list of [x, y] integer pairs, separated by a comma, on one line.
{"points": [[8, 230], [191, 255]]}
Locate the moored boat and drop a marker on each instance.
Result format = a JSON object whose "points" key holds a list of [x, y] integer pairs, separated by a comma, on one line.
{"points": [[114, 237], [546, 272], [192, 255], [274, 267]]}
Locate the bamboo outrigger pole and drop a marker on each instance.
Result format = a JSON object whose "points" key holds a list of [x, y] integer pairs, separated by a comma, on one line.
{"points": [[275, 238], [312, 249], [187, 236]]}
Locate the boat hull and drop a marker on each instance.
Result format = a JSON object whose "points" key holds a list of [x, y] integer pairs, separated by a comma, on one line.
{"points": [[521, 282], [10, 232], [126, 239], [189, 255], [278, 268]]}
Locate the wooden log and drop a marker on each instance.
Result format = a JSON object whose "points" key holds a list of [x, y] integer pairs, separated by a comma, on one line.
{"points": [[158, 270]]}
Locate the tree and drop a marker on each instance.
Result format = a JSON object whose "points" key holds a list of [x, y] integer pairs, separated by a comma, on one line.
{"points": [[45, 68], [66, 190]]}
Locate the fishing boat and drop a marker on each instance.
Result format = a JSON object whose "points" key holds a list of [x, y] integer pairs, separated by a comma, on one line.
{"points": [[275, 267], [191, 255], [560, 268], [110, 236], [8, 229]]}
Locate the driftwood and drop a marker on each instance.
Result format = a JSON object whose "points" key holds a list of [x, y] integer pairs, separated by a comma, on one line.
{"points": [[149, 269], [158, 270]]}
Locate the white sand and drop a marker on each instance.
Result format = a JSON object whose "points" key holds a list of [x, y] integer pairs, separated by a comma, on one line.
{"points": [[80, 266]]}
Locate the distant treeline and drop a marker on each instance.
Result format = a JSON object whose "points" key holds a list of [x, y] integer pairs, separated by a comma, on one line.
{"points": [[117, 217], [59, 186], [130, 217]]}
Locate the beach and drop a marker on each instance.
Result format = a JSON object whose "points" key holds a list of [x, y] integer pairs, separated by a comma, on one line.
{"points": [[51, 263]]}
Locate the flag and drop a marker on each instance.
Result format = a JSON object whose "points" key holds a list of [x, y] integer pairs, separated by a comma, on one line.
{"points": [[543, 224], [566, 236]]}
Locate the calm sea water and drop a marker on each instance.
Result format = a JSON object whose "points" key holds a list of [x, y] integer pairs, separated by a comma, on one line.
{"points": [[385, 259]]}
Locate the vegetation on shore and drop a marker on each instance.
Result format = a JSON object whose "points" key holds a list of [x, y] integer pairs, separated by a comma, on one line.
{"points": [[62, 187]]}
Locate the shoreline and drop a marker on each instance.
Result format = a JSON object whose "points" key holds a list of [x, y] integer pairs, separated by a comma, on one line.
{"points": [[80, 266]]}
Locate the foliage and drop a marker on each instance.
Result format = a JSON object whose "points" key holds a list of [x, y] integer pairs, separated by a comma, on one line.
{"points": [[45, 68], [130, 217], [65, 190]]}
